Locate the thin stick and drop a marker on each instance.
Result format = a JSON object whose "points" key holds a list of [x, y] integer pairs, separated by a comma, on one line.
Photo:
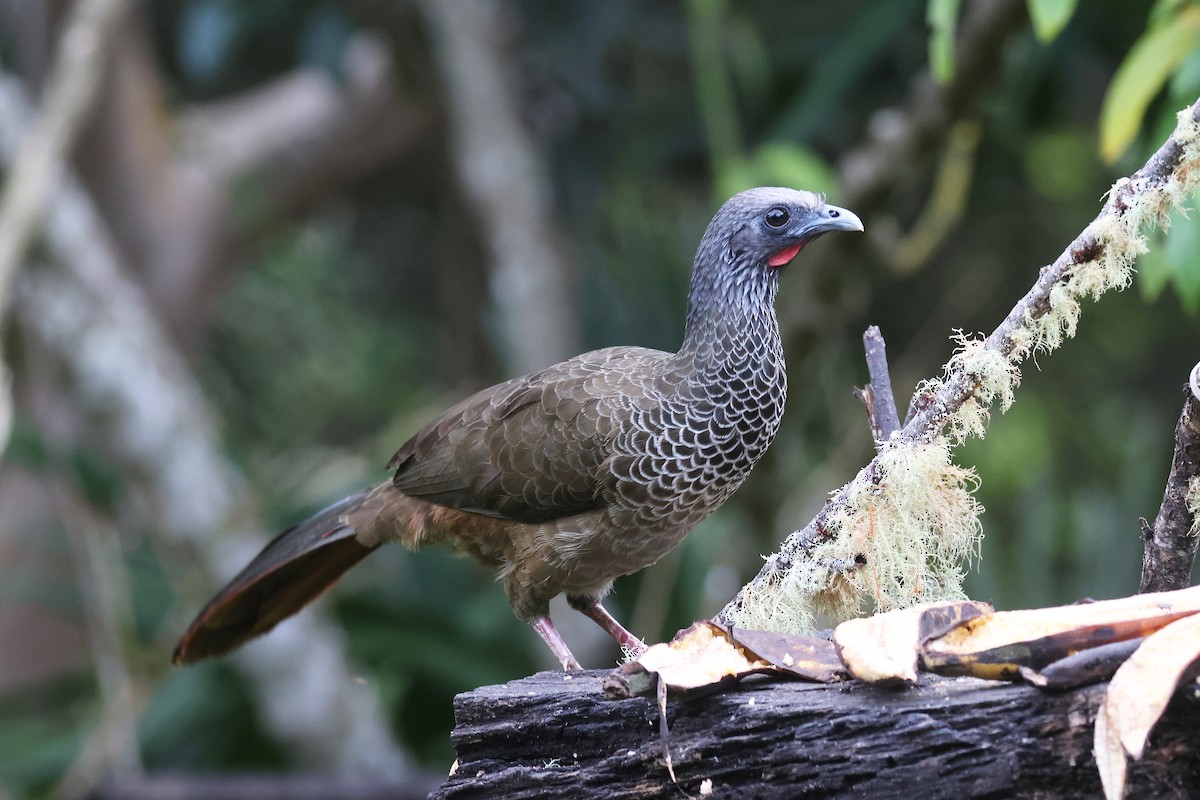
{"points": [[877, 397]]}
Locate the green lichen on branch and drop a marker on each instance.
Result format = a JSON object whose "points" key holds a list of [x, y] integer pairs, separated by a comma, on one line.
{"points": [[993, 379], [1191, 501], [1101, 259], [905, 529], [919, 526], [905, 534]]}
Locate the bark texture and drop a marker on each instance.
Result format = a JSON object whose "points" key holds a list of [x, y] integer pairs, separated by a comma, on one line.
{"points": [[1170, 546], [553, 735]]}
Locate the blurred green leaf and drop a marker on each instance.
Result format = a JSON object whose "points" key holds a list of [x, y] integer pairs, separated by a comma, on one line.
{"points": [[34, 755], [1182, 91], [42, 728], [866, 40], [1174, 260], [1050, 17], [27, 445], [1061, 163], [786, 164], [1141, 76], [942, 15], [714, 92], [152, 592], [203, 717], [734, 175], [1153, 273], [1006, 462], [99, 480], [776, 164], [749, 60], [1184, 260], [1162, 11]]}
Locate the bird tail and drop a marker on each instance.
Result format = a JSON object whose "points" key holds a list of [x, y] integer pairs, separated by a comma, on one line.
{"points": [[290, 572]]}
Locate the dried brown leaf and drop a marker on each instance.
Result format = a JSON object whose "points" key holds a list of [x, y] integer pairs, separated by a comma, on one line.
{"points": [[805, 657], [1082, 669], [995, 646], [1143, 686], [706, 655], [885, 648], [699, 657]]}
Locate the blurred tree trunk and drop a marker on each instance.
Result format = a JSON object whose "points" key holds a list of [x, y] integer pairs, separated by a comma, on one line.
{"points": [[167, 179], [506, 182], [170, 182], [46, 143], [136, 399]]}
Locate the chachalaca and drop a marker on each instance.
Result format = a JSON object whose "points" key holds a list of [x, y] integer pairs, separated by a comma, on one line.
{"points": [[566, 479]]}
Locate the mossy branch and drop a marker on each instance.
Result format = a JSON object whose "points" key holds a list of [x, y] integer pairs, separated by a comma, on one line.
{"points": [[902, 529]]}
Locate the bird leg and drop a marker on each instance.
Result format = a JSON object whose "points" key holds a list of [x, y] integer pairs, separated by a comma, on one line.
{"points": [[554, 641], [592, 608]]}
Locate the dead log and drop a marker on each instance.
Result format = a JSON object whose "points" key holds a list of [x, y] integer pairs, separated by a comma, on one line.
{"points": [[554, 735]]}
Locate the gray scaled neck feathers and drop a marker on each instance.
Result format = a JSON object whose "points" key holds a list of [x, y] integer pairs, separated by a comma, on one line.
{"points": [[728, 380]]}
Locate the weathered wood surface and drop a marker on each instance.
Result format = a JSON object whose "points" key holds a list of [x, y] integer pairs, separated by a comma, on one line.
{"points": [[553, 735]]}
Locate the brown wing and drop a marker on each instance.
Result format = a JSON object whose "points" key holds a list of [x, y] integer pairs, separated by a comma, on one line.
{"points": [[532, 448]]}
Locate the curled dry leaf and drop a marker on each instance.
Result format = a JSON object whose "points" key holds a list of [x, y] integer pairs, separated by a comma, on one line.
{"points": [[1137, 697], [806, 657], [885, 648], [1082, 669], [996, 646], [698, 657], [707, 655]]}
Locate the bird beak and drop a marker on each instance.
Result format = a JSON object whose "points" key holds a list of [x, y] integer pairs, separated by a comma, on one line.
{"points": [[827, 218], [835, 218]]}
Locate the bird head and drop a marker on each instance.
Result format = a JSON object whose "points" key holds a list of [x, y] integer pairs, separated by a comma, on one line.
{"points": [[768, 226], [749, 241], [752, 237]]}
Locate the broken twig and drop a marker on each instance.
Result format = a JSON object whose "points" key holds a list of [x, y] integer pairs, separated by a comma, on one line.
{"points": [[1170, 543], [877, 396]]}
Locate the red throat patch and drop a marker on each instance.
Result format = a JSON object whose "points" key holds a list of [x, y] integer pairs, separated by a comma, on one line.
{"points": [[785, 255]]}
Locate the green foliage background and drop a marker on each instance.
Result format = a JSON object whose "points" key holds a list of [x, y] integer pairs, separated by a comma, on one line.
{"points": [[332, 344]]}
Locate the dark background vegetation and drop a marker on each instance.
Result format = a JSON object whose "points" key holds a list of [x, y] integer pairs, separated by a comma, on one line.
{"points": [[338, 296]]}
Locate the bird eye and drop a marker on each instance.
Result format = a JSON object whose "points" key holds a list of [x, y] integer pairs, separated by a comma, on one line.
{"points": [[834, 213], [777, 217]]}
